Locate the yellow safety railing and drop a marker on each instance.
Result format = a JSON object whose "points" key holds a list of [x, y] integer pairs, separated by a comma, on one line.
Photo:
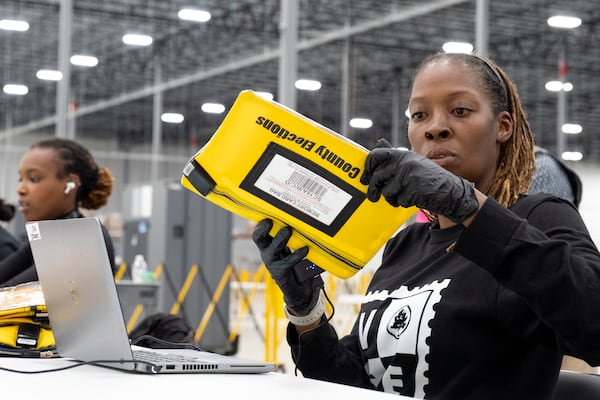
{"points": [[273, 315], [158, 271], [184, 289], [120, 272], [134, 317], [213, 302], [246, 298]]}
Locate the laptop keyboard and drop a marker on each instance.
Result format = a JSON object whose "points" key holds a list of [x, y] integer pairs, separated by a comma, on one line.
{"points": [[155, 357]]}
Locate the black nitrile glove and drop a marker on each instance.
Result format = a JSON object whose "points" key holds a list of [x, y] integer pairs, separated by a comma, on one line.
{"points": [[405, 178], [280, 261]]}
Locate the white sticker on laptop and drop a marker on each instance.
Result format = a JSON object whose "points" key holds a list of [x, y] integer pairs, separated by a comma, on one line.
{"points": [[33, 231], [303, 189]]}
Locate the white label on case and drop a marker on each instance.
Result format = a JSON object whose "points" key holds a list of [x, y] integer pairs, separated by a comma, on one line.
{"points": [[33, 231], [303, 189]]}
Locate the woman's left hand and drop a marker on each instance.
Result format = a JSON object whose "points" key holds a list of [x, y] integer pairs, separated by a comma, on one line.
{"points": [[405, 178]]}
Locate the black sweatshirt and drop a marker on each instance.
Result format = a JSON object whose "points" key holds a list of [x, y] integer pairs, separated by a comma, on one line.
{"points": [[486, 318], [8, 243]]}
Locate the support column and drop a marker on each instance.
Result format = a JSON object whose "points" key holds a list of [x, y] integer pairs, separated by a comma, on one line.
{"points": [[157, 109], [345, 89], [561, 115], [64, 66], [482, 36], [288, 53], [6, 157], [397, 112]]}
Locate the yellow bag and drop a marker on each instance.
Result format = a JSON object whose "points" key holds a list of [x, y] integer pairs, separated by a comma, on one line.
{"points": [[24, 325], [266, 160]]}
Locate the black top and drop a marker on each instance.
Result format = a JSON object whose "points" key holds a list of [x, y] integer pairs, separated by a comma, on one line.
{"points": [[488, 319], [8, 243], [19, 267]]}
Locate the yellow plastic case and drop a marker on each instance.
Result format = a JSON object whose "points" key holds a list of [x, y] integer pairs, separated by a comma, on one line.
{"points": [[267, 161]]}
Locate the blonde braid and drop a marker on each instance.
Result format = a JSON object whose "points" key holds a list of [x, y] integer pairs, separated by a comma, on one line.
{"points": [[516, 163]]}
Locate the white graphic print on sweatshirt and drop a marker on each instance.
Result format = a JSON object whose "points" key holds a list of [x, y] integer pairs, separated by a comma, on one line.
{"points": [[395, 339]]}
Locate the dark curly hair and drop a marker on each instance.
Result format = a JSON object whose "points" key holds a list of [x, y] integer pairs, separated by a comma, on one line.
{"points": [[96, 182]]}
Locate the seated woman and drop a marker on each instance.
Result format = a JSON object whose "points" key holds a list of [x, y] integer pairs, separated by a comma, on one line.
{"points": [[57, 177]]}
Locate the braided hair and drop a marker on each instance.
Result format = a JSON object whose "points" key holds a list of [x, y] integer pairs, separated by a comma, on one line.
{"points": [[516, 161], [96, 182]]}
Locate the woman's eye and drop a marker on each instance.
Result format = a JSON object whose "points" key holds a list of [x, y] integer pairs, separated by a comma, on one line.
{"points": [[461, 111], [416, 116]]}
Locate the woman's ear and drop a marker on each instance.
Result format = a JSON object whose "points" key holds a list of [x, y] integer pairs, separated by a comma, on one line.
{"points": [[75, 179], [72, 182], [505, 127]]}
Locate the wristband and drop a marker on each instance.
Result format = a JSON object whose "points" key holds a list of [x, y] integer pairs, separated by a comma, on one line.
{"points": [[313, 316]]}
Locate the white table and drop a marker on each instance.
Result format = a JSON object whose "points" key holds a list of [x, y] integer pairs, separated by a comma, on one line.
{"points": [[91, 383]]}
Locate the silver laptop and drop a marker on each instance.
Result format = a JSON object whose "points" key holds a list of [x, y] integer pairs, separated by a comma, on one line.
{"points": [[84, 310]]}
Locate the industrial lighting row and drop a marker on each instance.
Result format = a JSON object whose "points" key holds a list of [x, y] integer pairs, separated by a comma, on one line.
{"points": [[134, 39]]}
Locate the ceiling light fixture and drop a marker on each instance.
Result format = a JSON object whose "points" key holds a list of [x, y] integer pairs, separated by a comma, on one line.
{"points": [[49, 75], [213, 108], [190, 14], [564, 22], [554, 86], [457, 47], [361, 123], [14, 25], [557, 86], [572, 155], [572, 129], [172, 118], [84, 61], [308, 84], [15, 89], [135, 39]]}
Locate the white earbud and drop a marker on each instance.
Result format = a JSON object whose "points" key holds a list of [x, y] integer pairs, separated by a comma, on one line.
{"points": [[69, 186]]}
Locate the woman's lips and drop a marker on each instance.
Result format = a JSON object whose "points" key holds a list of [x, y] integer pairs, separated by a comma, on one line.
{"points": [[23, 207], [436, 154], [440, 157]]}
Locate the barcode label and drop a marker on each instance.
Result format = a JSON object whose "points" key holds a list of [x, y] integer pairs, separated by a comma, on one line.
{"points": [[302, 189], [307, 185]]}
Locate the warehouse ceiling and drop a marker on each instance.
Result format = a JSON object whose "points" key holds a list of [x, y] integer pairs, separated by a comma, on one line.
{"points": [[193, 63]]}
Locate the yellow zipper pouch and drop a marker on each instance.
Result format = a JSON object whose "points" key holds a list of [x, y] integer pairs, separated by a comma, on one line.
{"points": [[267, 161]]}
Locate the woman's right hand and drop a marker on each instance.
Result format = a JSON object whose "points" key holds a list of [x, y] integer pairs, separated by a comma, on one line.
{"points": [[299, 297]]}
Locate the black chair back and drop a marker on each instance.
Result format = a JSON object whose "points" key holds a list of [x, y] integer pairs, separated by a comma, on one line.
{"points": [[577, 386]]}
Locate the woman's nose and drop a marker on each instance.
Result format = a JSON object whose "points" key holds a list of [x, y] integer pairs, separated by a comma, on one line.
{"points": [[438, 129], [21, 188]]}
